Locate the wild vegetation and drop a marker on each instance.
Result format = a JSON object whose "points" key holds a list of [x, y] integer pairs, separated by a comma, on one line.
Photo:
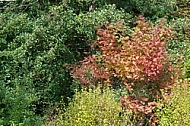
{"points": [[94, 62]]}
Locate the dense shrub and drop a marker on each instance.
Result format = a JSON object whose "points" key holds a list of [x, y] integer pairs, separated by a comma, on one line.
{"points": [[138, 61], [179, 46], [94, 107], [35, 44], [176, 111]]}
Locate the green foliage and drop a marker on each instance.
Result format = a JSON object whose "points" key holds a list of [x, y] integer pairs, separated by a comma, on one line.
{"points": [[18, 105], [152, 9], [35, 44], [38, 38], [94, 107], [108, 13], [31, 57], [187, 65], [183, 10], [179, 46], [176, 111]]}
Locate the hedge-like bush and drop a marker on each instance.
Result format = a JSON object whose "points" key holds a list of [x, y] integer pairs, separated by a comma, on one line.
{"points": [[94, 108]]}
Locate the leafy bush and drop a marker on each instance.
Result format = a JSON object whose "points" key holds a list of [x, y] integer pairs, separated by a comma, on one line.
{"points": [[108, 13], [176, 111], [28, 55], [179, 46], [35, 44], [138, 61], [94, 107]]}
